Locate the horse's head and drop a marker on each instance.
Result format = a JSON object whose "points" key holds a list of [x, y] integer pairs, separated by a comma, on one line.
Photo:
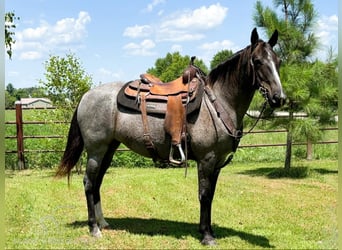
{"points": [[265, 64]]}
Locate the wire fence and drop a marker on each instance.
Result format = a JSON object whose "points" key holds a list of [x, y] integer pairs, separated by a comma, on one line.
{"points": [[20, 150]]}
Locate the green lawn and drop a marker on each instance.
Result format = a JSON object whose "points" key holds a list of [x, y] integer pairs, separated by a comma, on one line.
{"points": [[158, 208]]}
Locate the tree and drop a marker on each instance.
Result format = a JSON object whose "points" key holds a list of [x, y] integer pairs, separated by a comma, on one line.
{"points": [[9, 100], [172, 66], [303, 86], [9, 33], [296, 40], [12, 94], [65, 80], [220, 57], [10, 89]]}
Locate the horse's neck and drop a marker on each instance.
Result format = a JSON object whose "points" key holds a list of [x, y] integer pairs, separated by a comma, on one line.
{"points": [[236, 98]]}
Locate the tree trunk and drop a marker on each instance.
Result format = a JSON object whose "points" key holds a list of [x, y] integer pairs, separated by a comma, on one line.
{"points": [[288, 150], [285, 11], [309, 150], [289, 143]]}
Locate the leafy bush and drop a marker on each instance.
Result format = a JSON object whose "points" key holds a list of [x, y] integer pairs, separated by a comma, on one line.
{"points": [[130, 159]]}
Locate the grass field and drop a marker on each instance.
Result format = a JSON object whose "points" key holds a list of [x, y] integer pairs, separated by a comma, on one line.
{"points": [[158, 208]]}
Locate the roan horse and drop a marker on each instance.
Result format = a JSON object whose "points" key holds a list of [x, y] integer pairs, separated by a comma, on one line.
{"points": [[100, 126]]}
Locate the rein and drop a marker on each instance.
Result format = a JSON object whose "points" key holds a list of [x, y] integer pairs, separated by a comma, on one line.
{"points": [[236, 133], [223, 115], [263, 92], [227, 120]]}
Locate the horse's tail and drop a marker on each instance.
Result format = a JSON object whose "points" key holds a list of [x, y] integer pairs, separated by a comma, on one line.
{"points": [[73, 149]]}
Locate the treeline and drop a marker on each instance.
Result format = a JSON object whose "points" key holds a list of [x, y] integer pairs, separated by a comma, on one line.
{"points": [[12, 94]]}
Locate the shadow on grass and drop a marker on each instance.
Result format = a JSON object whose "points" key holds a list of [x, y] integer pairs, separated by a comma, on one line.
{"points": [[9, 175], [324, 171], [281, 172], [175, 229]]}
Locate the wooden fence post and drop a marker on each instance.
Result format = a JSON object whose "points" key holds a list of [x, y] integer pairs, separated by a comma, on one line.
{"points": [[20, 135], [309, 150]]}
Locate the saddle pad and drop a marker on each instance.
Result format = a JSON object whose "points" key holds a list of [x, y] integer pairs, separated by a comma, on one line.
{"points": [[156, 104]]}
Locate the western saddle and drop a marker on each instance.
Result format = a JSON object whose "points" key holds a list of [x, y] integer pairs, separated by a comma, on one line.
{"points": [[175, 99]]}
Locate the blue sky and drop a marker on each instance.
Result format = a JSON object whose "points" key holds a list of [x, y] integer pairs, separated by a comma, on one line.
{"points": [[118, 40]]}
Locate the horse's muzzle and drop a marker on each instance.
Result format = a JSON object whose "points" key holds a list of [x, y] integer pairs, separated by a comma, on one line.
{"points": [[277, 100]]}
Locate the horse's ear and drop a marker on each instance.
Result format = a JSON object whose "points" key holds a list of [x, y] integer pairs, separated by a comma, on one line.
{"points": [[254, 36], [274, 38]]}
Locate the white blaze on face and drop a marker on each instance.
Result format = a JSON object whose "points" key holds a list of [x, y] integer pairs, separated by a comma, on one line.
{"points": [[276, 75]]}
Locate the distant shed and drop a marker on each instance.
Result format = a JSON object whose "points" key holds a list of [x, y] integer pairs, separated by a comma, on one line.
{"points": [[36, 103]]}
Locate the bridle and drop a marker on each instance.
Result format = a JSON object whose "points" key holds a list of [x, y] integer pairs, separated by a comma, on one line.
{"points": [[227, 121], [264, 92], [232, 131]]}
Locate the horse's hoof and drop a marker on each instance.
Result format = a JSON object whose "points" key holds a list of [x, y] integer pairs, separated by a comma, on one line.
{"points": [[104, 225], [209, 241], [96, 233]]}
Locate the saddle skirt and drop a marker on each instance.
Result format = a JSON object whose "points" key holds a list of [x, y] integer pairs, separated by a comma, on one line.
{"points": [[157, 94]]}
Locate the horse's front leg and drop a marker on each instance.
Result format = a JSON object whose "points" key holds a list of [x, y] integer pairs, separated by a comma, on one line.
{"points": [[207, 178]]}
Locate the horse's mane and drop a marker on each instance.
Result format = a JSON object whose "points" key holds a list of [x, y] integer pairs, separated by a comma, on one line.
{"points": [[228, 67]]}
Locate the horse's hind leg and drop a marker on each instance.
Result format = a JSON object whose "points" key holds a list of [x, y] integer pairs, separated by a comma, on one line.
{"points": [[97, 196], [98, 162]]}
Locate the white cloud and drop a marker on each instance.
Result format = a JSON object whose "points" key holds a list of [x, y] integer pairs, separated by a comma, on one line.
{"points": [[138, 31], [174, 35], [176, 47], [108, 74], [66, 34], [160, 13], [199, 19], [219, 45], [35, 33], [188, 25], [180, 26], [13, 73], [30, 55], [327, 29], [153, 4], [141, 49], [210, 49], [70, 30], [327, 33]]}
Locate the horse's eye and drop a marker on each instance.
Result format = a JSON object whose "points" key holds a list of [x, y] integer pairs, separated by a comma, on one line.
{"points": [[257, 62]]}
